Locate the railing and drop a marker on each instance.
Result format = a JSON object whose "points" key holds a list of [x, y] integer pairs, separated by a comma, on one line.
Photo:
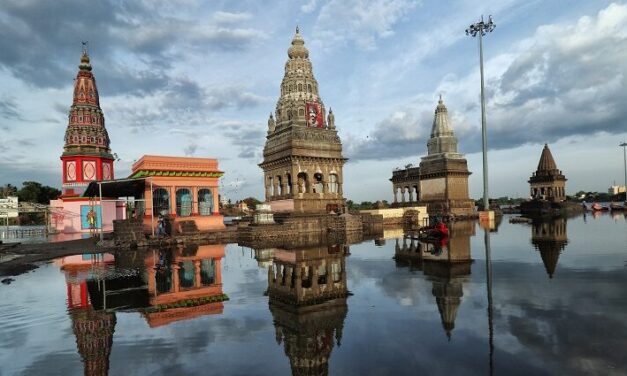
{"points": [[21, 233]]}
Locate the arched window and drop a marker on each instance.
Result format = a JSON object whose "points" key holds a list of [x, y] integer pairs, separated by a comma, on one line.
{"points": [[289, 183], [303, 184], [183, 202], [186, 274], [205, 201], [301, 112], [318, 188], [333, 184], [160, 201], [300, 87], [270, 186], [207, 272], [279, 185], [309, 88]]}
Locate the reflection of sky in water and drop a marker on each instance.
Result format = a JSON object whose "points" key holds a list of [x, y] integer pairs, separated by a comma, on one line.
{"points": [[573, 323]]}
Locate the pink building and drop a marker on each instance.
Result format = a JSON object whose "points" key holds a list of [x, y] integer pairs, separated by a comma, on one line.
{"points": [[184, 188]]}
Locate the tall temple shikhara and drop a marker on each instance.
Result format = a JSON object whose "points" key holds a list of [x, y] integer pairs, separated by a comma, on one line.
{"points": [[444, 171], [303, 154], [441, 181], [86, 155]]}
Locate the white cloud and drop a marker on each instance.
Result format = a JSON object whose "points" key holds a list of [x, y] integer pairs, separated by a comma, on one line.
{"points": [[360, 21]]}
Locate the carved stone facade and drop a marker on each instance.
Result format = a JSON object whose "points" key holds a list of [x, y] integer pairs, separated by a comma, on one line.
{"points": [[86, 155], [303, 153], [307, 295], [548, 183], [441, 181]]}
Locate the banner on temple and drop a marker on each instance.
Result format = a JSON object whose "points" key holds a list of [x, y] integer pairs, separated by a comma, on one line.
{"points": [[314, 115]]}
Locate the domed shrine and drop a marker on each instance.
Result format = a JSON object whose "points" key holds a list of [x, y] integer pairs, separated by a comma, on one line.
{"points": [[303, 159]]}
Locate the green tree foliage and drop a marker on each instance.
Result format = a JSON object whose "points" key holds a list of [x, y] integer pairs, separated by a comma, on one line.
{"points": [[33, 191], [251, 202]]}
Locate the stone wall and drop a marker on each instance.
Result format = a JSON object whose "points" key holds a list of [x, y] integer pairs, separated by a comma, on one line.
{"points": [[129, 232]]}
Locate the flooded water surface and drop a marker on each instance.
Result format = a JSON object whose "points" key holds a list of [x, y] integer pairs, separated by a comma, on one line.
{"points": [[552, 300]]}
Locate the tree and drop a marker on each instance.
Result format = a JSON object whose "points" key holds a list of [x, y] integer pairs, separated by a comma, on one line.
{"points": [[251, 202], [8, 190], [33, 191]]}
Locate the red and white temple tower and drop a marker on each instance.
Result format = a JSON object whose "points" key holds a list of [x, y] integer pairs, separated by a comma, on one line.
{"points": [[86, 158], [86, 155]]}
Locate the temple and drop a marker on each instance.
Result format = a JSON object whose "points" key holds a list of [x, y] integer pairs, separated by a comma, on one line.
{"points": [[307, 296], [303, 159], [549, 237], [86, 158], [93, 328], [447, 264], [548, 183], [441, 180], [183, 188], [184, 274]]}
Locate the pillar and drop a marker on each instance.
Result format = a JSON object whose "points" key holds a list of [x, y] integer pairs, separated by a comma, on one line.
{"points": [[152, 280], [216, 201], [194, 200], [175, 278], [217, 262], [395, 193], [197, 281], [403, 194], [172, 200]]}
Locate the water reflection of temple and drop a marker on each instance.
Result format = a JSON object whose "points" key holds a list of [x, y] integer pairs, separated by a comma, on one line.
{"points": [[446, 264], [165, 286], [307, 297], [549, 237], [93, 329], [183, 275]]}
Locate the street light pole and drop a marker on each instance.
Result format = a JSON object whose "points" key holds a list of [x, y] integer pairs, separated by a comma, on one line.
{"points": [[481, 29], [624, 144]]}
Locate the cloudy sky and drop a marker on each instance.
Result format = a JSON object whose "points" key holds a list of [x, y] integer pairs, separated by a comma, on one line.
{"points": [[190, 77]]}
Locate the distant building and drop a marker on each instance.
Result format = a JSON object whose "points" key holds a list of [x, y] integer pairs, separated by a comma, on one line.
{"points": [[441, 180], [302, 158], [548, 183], [616, 189]]}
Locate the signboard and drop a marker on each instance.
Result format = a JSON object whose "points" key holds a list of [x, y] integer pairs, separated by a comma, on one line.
{"points": [[8, 207], [314, 115]]}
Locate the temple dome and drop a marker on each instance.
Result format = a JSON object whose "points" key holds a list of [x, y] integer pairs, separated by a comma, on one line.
{"points": [[298, 49], [441, 123], [547, 163]]}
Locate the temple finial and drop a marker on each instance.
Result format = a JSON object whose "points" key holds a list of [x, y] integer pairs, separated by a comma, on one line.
{"points": [[297, 30], [85, 65]]}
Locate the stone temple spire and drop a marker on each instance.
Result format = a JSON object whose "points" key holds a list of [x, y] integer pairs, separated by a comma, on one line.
{"points": [[86, 154], [300, 102], [443, 140], [546, 163]]}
